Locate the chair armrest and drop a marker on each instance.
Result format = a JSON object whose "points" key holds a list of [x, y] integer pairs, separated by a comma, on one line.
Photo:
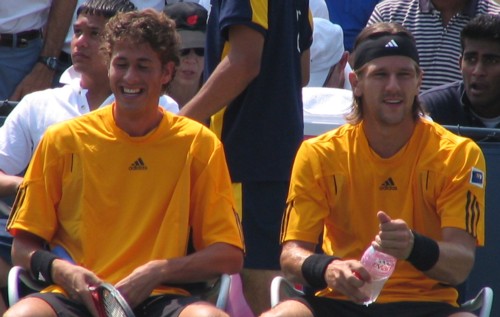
{"points": [[18, 275], [280, 283], [483, 302], [225, 283]]}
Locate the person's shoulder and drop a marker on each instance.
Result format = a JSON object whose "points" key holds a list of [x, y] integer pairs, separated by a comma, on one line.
{"points": [[92, 119], [187, 127], [49, 93], [488, 6], [44, 102], [386, 4], [169, 104], [440, 99], [449, 89], [342, 134], [446, 138], [394, 11]]}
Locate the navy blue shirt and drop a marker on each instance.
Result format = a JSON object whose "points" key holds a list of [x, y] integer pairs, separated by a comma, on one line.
{"points": [[263, 127], [448, 105]]}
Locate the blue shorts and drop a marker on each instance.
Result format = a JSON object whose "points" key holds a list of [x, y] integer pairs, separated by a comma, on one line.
{"points": [[5, 242], [263, 205]]}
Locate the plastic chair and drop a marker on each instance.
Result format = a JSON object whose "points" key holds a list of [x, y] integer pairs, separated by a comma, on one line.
{"points": [[236, 305], [480, 304]]}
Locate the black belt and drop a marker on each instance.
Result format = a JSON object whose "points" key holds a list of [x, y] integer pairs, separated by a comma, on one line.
{"points": [[19, 39]]}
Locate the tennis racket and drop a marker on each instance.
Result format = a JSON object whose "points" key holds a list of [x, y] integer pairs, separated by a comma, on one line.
{"points": [[109, 302]]}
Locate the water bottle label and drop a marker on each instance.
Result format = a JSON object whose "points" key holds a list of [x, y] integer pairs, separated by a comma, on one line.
{"points": [[382, 265]]}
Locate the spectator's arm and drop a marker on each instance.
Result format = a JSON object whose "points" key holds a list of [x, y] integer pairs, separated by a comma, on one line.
{"points": [[56, 29], [9, 184], [305, 65], [231, 76]]}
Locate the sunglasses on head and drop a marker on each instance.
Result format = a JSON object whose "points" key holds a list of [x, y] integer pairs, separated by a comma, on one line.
{"points": [[198, 51]]}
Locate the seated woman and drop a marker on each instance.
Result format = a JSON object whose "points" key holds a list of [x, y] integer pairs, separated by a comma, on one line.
{"points": [[191, 21]]}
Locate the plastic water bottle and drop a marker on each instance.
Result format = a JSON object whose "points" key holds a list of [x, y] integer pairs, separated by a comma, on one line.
{"points": [[380, 266]]}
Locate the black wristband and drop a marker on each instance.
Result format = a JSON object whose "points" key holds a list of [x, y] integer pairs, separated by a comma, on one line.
{"points": [[425, 252], [314, 268], [41, 265]]}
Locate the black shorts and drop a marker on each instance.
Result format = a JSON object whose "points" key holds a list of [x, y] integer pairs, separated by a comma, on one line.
{"points": [[263, 207], [5, 242], [323, 307], [154, 306]]}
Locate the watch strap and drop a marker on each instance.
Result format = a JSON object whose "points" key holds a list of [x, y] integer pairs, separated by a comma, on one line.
{"points": [[50, 61]]}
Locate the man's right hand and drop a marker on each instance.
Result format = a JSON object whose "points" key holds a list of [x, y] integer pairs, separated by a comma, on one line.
{"points": [[75, 280], [347, 277]]}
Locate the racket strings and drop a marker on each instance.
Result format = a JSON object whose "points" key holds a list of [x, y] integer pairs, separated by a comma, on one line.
{"points": [[112, 306]]}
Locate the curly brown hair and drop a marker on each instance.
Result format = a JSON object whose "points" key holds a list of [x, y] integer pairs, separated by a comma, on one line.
{"points": [[146, 26]]}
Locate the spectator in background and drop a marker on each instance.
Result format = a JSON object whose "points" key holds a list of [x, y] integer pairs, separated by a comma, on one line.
{"points": [[28, 59], [257, 61], [436, 26], [475, 100], [329, 61], [65, 57], [191, 23], [319, 9], [204, 3], [351, 15], [327, 97]]}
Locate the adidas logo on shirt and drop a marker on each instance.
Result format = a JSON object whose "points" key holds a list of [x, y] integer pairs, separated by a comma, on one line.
{"points": [[138, 165], [391, 43], [388, 185]]}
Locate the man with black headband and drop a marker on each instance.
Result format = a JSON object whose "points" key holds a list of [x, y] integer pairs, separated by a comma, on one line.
{"points": [[390, 179]]}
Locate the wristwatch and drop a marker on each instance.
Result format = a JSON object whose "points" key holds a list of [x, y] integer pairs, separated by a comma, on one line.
{"points": [[49, 61]]}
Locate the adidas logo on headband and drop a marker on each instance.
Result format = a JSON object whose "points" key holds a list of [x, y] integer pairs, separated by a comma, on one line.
{"points": [[384, 45], [391, 43]]}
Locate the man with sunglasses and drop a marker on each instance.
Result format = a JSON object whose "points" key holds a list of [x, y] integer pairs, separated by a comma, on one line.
{"points": [[191, 22]]}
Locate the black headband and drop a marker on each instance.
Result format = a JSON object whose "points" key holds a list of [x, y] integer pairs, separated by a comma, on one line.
{"points": [[386, 45]]}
